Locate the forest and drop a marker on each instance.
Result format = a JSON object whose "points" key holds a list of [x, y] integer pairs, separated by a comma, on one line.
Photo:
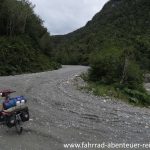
{"points": [[24, 42]]}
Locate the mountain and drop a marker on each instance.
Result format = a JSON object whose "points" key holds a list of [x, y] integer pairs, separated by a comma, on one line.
{"points": [[24, 41], [116, 45], [122, 24]]}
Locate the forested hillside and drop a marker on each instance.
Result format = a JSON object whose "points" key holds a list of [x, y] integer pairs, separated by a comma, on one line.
{"points": [[123, 24], [24, 41], [116, 44]]}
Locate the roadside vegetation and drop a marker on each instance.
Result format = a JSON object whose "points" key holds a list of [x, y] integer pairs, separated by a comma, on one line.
{"points": [[25, 44], [116, 45], [116, 73], [118, 91]]}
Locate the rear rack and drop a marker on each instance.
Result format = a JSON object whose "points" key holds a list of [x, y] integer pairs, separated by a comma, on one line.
{"points": [[6, 92]]}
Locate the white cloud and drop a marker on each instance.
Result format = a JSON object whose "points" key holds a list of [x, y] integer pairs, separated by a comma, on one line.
{"points": [[64, 16]]}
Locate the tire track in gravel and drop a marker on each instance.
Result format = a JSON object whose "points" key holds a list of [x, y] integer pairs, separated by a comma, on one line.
{"points": [[62, 114]]}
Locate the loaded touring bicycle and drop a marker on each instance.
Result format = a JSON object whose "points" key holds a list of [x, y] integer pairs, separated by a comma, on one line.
{"points": [[13, 111]]}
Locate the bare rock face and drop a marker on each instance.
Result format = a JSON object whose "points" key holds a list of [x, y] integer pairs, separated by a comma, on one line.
{"points": [[147, 78], [147, 82], [147, 86]]}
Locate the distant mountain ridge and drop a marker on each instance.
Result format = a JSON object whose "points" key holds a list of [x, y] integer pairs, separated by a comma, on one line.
{"points": [[121, 23]]}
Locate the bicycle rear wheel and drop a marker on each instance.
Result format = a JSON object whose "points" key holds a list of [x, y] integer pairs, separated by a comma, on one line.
{"points": [[18, 127]]}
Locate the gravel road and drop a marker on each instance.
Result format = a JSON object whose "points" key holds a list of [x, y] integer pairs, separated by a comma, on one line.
{"points": [[62, 114]]}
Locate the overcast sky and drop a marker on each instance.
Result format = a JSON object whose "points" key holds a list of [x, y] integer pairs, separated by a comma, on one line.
{"points": [[64, 16]]}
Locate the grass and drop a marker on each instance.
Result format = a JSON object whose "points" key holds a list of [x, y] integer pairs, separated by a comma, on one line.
{"points": [[135, 97], [106, 90]]}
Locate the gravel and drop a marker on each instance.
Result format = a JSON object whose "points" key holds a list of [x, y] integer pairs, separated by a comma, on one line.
{"points": [[60, 113]]}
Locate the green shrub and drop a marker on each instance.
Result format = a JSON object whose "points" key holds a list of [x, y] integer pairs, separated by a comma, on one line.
{"points": [[137, 96], [18, 55], [134, 76], [106, 66], [114, 66]]}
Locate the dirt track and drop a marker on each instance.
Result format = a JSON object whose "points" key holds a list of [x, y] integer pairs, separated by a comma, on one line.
{"points": [[62, 114]]}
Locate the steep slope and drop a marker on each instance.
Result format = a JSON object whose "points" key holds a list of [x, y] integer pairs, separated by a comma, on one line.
{"points": [[121, 23], [24, 41]]}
